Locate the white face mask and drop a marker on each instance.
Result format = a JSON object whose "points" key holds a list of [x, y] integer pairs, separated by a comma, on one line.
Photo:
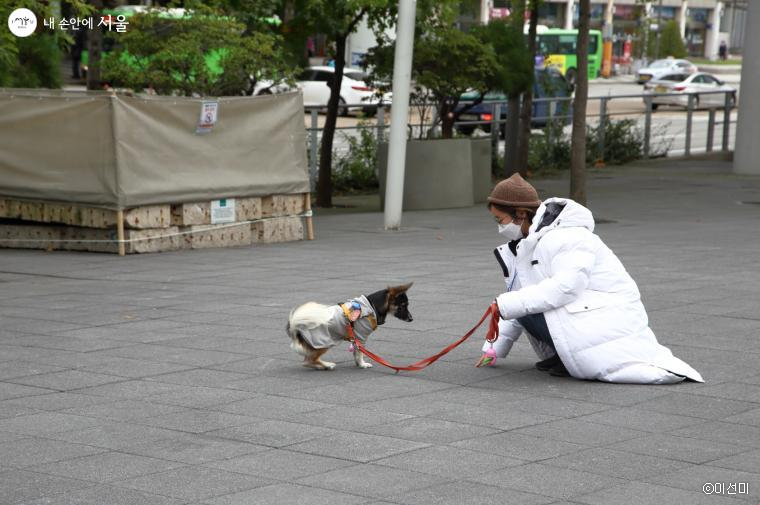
{"points": [[511, 231]]}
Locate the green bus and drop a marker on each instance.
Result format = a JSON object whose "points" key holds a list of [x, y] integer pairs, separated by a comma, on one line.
{"points": [[559, 48]]}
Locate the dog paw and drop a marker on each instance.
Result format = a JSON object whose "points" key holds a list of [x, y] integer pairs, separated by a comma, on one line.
{"points": [[326, 365], [364, 365]]}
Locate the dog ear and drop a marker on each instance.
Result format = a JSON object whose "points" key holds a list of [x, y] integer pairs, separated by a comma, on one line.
{"points": [[397, 290]]}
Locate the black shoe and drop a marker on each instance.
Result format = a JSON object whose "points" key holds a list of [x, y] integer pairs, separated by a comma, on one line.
{"points": [[559, 370], [548, 363]]}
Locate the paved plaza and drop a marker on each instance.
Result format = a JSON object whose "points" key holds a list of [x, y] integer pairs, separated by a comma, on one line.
{"points": [[166, 379]]}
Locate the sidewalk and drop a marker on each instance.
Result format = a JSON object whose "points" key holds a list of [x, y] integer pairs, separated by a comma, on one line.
{"points": [[167, 379]]}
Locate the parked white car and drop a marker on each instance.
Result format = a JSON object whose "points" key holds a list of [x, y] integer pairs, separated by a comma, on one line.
{"points": [[674, 89], [658, 68], [313, 81]]}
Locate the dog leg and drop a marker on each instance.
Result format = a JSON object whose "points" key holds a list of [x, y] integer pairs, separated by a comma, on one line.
{"points": [[313, 360], [359, 359]]}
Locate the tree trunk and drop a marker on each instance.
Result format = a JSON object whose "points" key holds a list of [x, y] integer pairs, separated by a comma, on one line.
{"points": [[578, 148], [324, 182], [94, 47], [447, 120], [526, 112], [511, 135]]}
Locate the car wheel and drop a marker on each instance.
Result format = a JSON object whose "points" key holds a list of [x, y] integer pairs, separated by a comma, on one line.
{"points": [[342, 109], [655, 106]]}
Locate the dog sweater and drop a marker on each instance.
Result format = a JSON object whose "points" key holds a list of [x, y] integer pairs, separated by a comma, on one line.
{"points": [[334, 331]]}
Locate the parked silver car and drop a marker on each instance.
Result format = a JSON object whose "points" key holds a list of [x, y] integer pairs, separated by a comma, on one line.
{"points": [[674, 89], [658, 68]]}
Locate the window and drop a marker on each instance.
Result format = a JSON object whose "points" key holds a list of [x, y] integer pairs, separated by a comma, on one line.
{"points": [[673, 77], [306, 75]]}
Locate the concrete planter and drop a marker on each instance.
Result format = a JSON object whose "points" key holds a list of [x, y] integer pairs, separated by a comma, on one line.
{"points": [[443, 173]]}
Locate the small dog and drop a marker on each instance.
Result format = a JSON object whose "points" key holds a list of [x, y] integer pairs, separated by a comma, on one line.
{"points": [[315, 328]]}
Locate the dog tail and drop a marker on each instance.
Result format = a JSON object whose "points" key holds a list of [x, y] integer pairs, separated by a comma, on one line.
{"points": [[308, 316], [295, 338]]}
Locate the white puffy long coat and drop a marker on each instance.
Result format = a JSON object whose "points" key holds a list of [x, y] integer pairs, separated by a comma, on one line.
{"points": [[591, 304]]}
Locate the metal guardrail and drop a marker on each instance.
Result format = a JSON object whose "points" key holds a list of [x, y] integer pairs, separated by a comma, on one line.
{"points": [[564, 103]]}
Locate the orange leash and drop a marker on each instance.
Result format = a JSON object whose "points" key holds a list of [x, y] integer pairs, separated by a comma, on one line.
{"points": [[491, 336]]}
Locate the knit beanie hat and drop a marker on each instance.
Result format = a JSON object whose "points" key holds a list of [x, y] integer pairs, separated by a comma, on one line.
{"points": [[515, 192]]}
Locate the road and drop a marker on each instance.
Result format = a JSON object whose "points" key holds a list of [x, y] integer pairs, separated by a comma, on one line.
{"points": [[669, 124]]}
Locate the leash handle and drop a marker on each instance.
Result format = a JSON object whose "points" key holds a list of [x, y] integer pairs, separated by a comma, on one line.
{"points": [[493, 332]]}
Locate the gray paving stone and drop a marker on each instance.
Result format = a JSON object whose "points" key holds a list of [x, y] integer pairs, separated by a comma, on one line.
{"points": [[288, 494], [643, 420], [20, 486], [355, 446], [125, 410], [547, 480], [46, 423], [620, 464], [198, 397], [728, 433], [9, 391], [201, 377], [733, 390], [467, 493], [197, 421], [273, 433], [106, 467], [194, 483], [694, 479], [193, 449], [748, 461], [431, 431], [68, 380], [451, 462], [31, 451], [375, 481], [692, 405], [225, 353], [680, 448], [132, 368], [113, 435], [273, 407], [581, 432], [515, 445], [106, 494], [640, 493], [278, 464], [500, 417], [16, 369]]}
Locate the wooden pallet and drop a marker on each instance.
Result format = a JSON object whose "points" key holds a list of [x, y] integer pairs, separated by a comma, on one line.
{"points": [[154, 228]]}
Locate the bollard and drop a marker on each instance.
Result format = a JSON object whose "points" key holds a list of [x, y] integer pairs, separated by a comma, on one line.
{"points": [[602, 125], [726, 120], [313, 150], [689, 112], [647, 125]]}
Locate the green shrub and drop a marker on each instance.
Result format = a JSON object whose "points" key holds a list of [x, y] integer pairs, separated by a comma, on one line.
{"points": [[38, 64], [354, 170], [623, 142]]}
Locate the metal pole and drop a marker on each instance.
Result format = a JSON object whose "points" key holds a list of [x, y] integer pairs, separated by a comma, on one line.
{"points": [[689, 115], [602, 125], [313, 150], [710, 128], [380, 123], [647, 125], [402, 75], [495, 130], [726, 120], [659, 30]]}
